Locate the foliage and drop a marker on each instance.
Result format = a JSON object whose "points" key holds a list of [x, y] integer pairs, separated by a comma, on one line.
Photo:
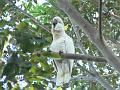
{"points": [[28, 37]]}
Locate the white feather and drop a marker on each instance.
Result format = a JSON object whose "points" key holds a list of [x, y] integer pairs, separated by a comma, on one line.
{"points": [[62, 42]]}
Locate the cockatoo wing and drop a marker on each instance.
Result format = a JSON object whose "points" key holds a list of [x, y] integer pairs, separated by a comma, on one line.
{"points": [[63, 67]]}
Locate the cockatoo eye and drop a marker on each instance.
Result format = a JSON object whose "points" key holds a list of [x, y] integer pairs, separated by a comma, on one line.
{"points": [[54, 22]]}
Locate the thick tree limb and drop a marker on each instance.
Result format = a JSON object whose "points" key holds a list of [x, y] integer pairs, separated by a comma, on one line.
{"points": [[67, 56], [91, 33], [82, 57]]}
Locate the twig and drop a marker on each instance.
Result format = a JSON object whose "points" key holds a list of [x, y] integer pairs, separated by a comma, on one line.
{"points": [[28, 15]]}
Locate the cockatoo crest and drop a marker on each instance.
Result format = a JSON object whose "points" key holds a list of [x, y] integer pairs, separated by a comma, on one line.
{"points": [[57, 20], [57, 25]]}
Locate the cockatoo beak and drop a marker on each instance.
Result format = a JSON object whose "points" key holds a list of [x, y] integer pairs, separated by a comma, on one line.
{"points": [[54, 22]]}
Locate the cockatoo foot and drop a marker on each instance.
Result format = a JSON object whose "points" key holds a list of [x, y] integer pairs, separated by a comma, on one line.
{"points": [[66, 85], [60, 52]]}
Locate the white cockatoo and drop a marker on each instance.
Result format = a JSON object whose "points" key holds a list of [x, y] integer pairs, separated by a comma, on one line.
{"points": [[61, 43]]}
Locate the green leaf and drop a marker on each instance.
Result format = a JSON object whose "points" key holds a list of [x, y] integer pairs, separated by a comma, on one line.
{"points": [[51, 54], [2, 4], [22, 25], [30, 88], [3, 22], [33, 69], [16, 87]]}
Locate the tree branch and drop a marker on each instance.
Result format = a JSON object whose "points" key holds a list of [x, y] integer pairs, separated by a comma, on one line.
{"points": [[67, 56], [28, 15], [77, 78], [81, 77]]}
